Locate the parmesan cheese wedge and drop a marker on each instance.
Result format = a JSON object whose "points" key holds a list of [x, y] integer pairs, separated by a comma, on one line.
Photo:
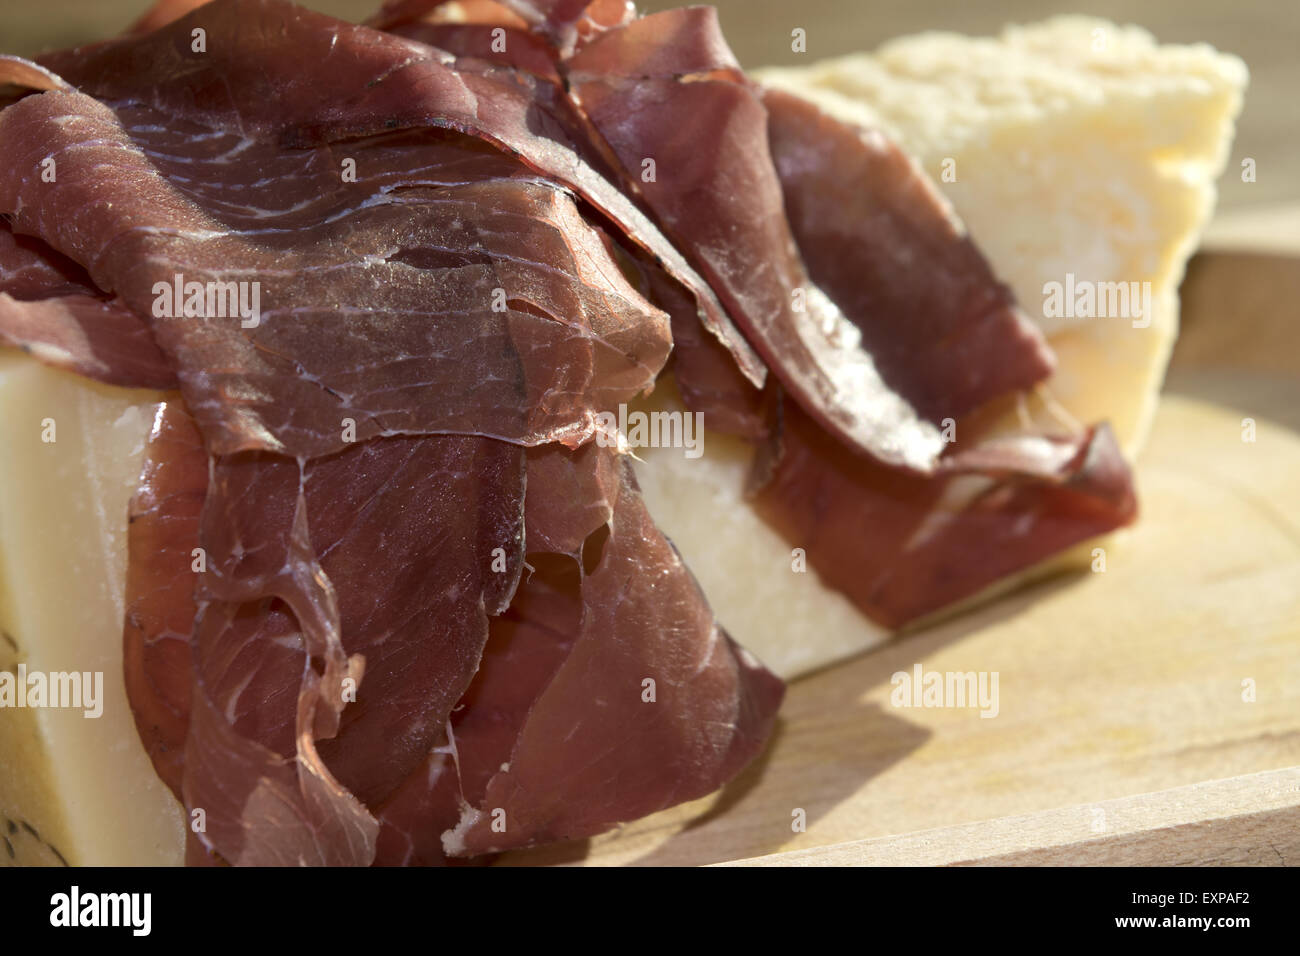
{"points": [[1077, 147]]}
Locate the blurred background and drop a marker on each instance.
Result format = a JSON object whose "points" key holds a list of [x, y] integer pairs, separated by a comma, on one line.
{"points": [[1264, 33]]}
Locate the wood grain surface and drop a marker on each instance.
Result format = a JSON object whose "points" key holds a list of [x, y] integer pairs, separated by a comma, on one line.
{"points": [[1253, 820]]}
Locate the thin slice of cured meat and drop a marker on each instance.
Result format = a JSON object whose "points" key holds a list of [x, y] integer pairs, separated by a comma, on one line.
{"points": [[609, 606], [50, 309], [884, 244], [318, 697], [670, 720], [564, 24], [902, 546], [501, 45], [162, 533], [396, 307], [575, 721], [24, 76], [274, 71], [878, 238], [529, 643], [667, 95], [186, 685]]}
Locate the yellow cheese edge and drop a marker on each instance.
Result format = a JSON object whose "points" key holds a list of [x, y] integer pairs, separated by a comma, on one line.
{"points": [[84, 784]]}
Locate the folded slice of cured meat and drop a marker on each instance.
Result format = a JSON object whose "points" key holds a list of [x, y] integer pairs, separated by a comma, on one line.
{"points": [[665, 92], [902, 546], [50, 309], [289, 690], [882, 242], [402, 303], [303, 79], [671, 717], [607, 690]]}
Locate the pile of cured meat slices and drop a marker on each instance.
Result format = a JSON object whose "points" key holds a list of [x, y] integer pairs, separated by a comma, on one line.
{"points": [[431, 601]]}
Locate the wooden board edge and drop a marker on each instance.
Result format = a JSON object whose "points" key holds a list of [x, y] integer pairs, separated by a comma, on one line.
{"points": [[1251, 820], [1273, 228]]}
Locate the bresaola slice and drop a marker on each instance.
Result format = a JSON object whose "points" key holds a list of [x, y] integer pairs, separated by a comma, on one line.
{"points": [[691, 132], [902, 547], [163, 531], [269, 778], [308, 80], [462, 309], [542, 755], [878, 238], [50, 309], [884, 244], [188, 685], [582, 761], [411, 529]]}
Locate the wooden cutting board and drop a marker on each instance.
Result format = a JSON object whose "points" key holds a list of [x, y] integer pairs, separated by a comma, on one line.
{"points": [[1148, 714]]}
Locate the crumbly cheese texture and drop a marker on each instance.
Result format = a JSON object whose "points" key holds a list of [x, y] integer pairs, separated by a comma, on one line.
{"points": [[72, 788], [1072, 146], [1070, 154]]}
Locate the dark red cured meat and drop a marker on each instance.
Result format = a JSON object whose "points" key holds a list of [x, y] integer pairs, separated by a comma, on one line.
{"points": [[880, 240], [244, 734], [931, 312], [563, 23], [308, 80], [408, 527], [163, 530], [902, 547], [706, 370], [224, 773], [386, 314], [51, 310], [547, 754], [665, 88]]}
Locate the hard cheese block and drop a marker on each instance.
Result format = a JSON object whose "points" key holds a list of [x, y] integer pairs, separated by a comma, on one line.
{"points": [[73, 788], [1073, 147]]}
